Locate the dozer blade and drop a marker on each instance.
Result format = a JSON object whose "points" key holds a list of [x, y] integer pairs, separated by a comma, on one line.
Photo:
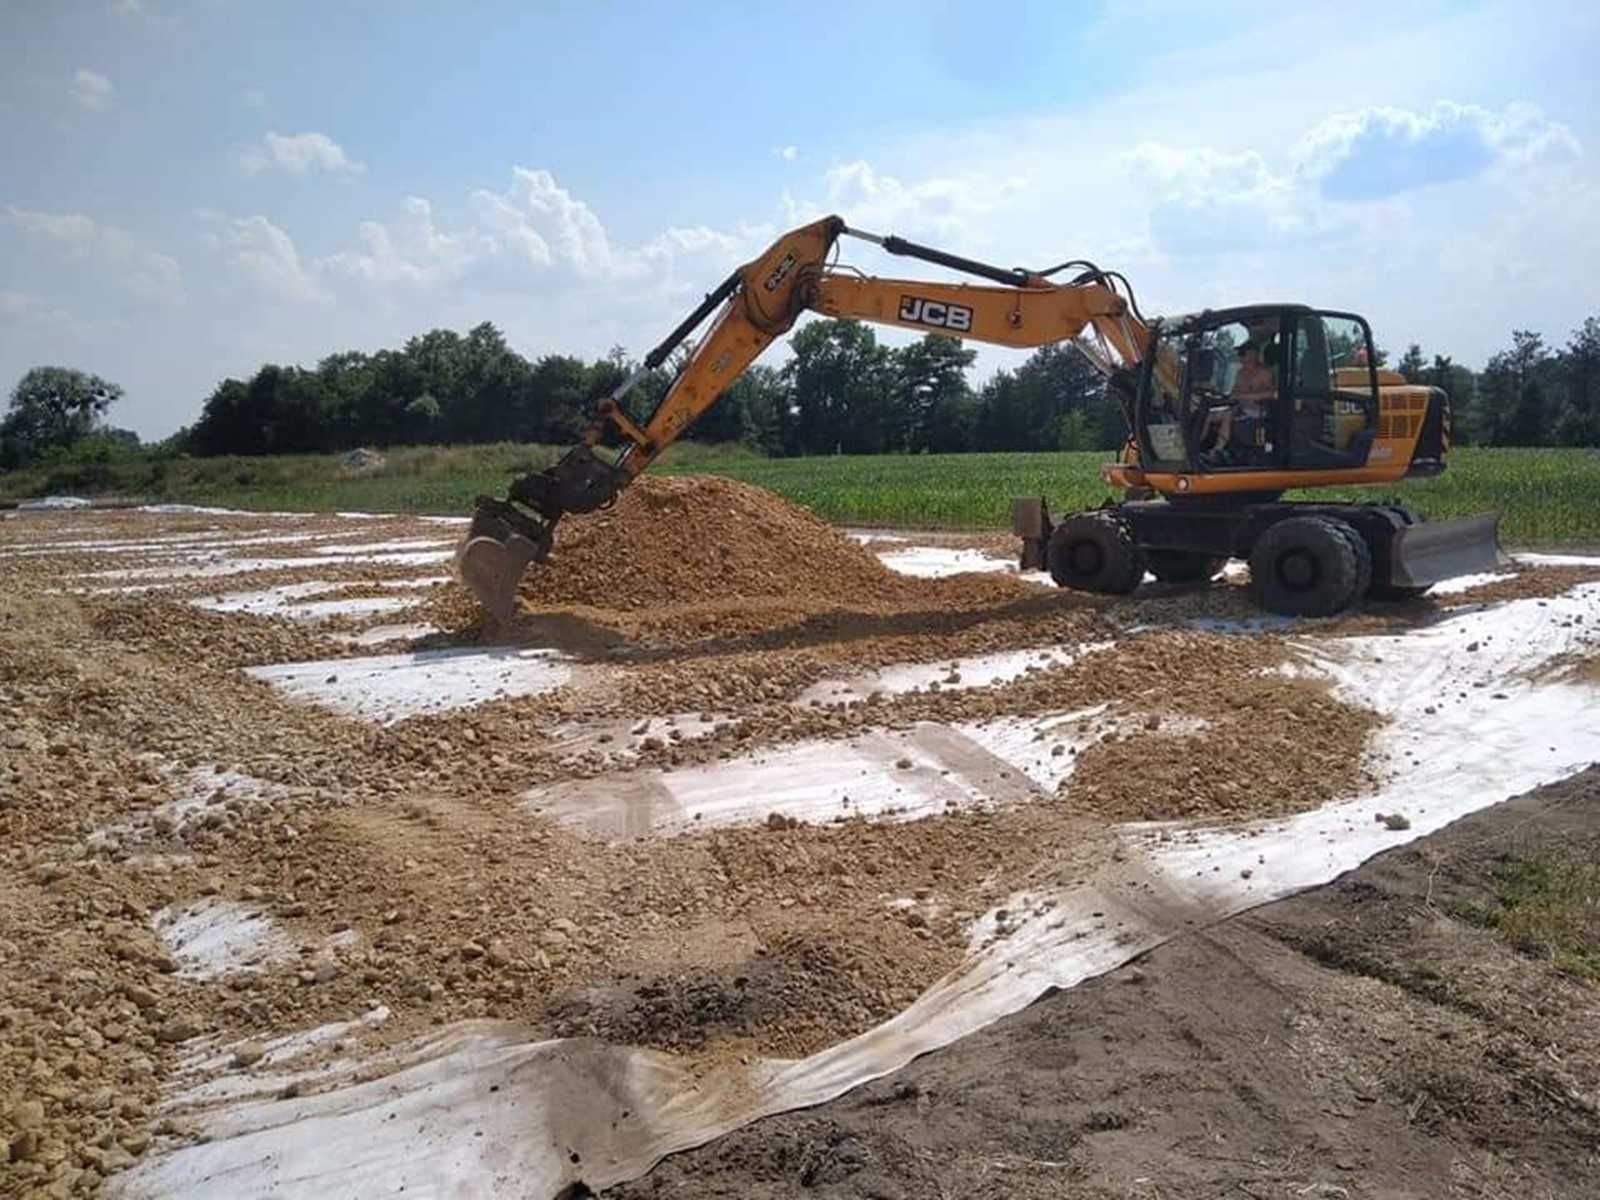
{"points": [[1432, 551], [492, 568]]}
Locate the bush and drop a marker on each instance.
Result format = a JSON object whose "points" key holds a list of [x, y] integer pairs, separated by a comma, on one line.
{"points": [[91, 463]]}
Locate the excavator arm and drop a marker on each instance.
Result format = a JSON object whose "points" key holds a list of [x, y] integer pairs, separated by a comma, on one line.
{"points": [[753, 307]]}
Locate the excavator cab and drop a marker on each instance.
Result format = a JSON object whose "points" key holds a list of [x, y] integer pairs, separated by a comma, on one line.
{"points": [[1315, 406]]}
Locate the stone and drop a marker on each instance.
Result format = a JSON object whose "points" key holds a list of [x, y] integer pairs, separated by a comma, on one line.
{"points": [[179, 1029]]}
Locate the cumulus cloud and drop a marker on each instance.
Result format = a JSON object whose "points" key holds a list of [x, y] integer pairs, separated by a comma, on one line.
{"points": [[267, 255], [1207, 200], [946, 206], [91, 90], [1378, 152], [787, 153], [299, 154], [409, 250], [144, 272], [1204, 200]]}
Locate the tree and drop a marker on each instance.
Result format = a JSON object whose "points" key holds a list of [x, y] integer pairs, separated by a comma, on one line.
{"points": [[1025, 410], [931, 391], [1413, 363], [842, 381], [1579, 366], [52, 406]]}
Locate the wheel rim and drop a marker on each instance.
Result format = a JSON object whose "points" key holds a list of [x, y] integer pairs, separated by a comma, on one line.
{"points": [[1085, 558], [1297, 570]]}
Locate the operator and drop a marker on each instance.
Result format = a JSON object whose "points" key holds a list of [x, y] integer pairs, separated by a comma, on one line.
{"points": [[1253, 388]]}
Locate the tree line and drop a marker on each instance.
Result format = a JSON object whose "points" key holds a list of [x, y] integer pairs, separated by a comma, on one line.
{"points": [[842, 392]]}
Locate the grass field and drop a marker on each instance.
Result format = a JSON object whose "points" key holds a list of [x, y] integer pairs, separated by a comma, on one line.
{"points": [[1547, 496]]}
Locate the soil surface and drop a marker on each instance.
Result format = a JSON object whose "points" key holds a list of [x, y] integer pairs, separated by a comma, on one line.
{"points": [[1358, 1040], [148, 784]]}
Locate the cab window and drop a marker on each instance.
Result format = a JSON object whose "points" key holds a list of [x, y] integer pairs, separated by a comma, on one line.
{"points": [[1234, 369], [1333, 401]]}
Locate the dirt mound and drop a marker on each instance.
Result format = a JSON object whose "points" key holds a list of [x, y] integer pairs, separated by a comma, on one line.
{"points": [[797, 997], [695, 557], [698, 540]]}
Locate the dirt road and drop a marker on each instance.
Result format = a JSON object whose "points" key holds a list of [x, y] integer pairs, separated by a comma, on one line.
{"points": [[282, 828]]}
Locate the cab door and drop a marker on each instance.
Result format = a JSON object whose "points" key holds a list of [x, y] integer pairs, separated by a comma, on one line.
{"points": [[1332, 406]]}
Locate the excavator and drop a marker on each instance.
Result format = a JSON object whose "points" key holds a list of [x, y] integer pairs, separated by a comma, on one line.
{"points": [[1227, 409]]}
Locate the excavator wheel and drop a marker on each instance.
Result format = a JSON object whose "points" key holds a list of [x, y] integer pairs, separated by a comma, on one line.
{"points": [[1363, 553], [1182, 566], [1094, 552], [1306, 567]]}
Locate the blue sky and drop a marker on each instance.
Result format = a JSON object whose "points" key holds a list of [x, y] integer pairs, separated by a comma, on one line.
{"points": [[188, 189]]}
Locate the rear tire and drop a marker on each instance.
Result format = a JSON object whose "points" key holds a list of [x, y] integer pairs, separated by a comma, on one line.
{"points": [[1182, 566], [1363, 553], [1094, 552], [1305, 567]]}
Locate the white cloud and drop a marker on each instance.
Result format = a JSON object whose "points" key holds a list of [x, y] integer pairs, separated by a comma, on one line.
{"points": [[146, 273], [947, 207], [91, 90], [1340, 175], [411, 250], [268, 256], [299, 154], [1377, 152], [1207, 201], [787, 153]]}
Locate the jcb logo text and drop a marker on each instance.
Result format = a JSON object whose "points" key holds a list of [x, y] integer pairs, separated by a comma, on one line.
{"points": [[954, 317]]}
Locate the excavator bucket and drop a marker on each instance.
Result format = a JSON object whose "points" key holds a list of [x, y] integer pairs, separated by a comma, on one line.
{"points": [[1432, 551], [490, 559]]}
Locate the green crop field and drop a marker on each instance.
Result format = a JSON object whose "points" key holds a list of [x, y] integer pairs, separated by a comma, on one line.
{"points": [[1546, 496]]}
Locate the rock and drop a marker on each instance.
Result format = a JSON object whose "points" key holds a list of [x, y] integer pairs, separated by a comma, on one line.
{"points": [[178, 1029], [553, 939], [903, 764], [471, 950], [497, 954], [326, 971], [24, 1146], [142, 996], [246, 1054], [135, 1143], [28, 1114]]}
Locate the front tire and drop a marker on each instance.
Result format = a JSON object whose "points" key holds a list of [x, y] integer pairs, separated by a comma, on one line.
{"points": [[1094, 552], [1305, 567]]}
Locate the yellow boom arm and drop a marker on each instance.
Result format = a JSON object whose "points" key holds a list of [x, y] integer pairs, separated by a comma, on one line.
{"points": [[754, 306]]}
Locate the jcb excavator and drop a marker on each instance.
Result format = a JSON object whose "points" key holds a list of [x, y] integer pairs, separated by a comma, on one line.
{"points": [[1226, 410]]}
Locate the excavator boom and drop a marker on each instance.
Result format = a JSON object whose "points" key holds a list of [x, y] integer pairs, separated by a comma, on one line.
{"points": [[752, 308]]}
